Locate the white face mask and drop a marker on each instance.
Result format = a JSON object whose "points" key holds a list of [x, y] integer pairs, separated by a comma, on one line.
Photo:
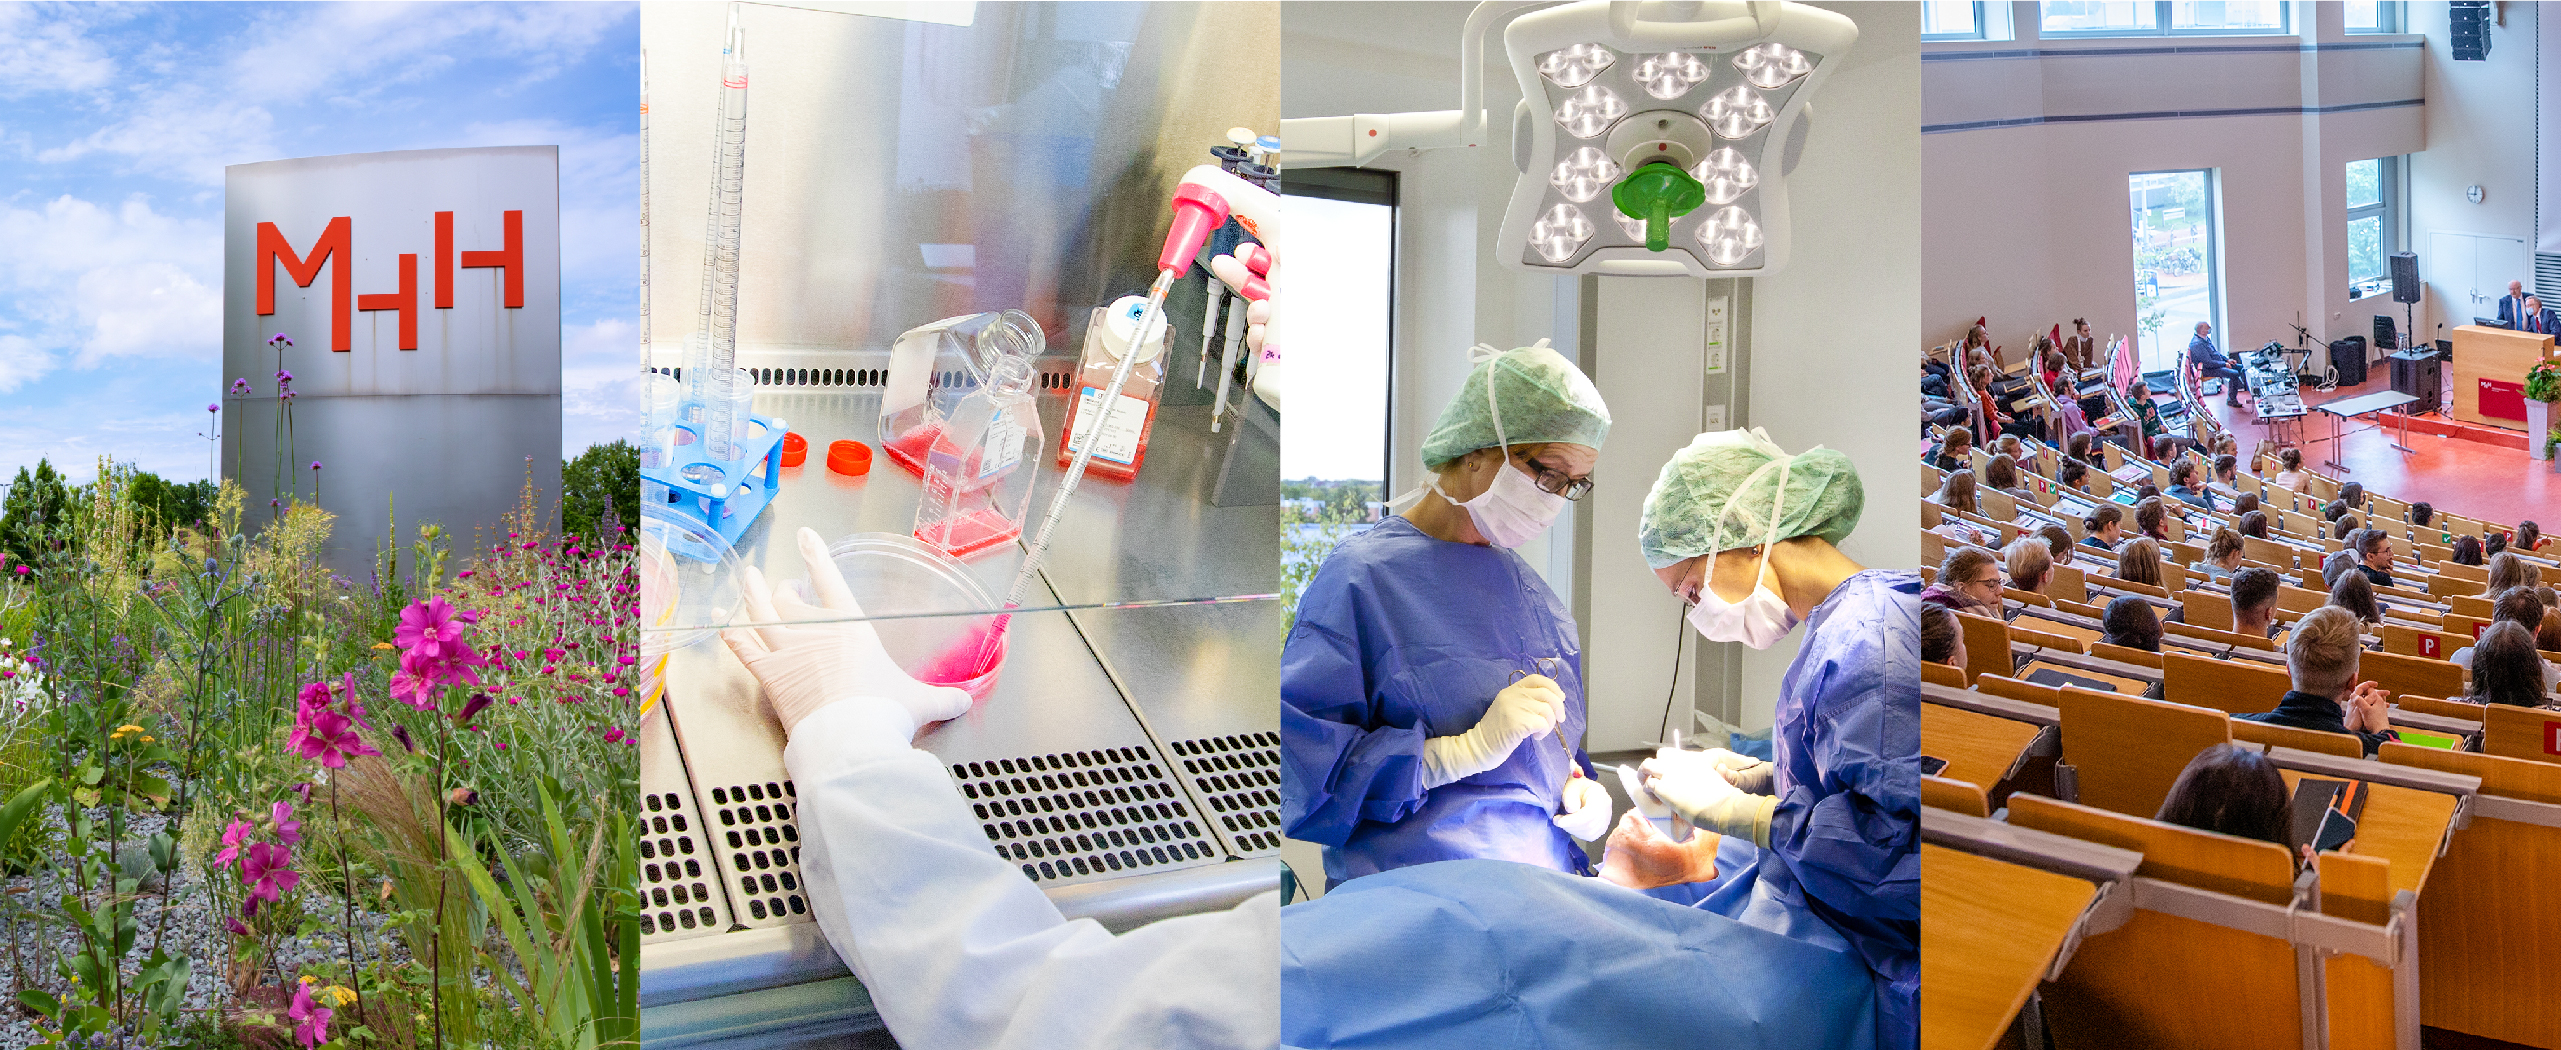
{"points": [[1511, 511], [1762, 617]]}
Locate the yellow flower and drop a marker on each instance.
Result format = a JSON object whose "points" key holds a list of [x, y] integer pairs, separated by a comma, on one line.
{"points": [[147, 739], [382, 645], [309, 979], [342, 993]]}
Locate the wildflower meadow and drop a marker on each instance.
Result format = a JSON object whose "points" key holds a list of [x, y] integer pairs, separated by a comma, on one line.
{"points": [[248, 802]]}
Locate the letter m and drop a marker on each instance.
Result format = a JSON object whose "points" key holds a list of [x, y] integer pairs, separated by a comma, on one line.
{"points": [[273, 248]]}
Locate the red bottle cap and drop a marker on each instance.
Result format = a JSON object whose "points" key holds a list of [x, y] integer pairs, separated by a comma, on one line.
{"points": [[849, 457], [795, 449]]}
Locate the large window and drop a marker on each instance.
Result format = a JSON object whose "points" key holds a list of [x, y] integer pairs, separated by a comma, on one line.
{"points": [[2375, 16], [1965, 20], [2374, 227], [2176, 261], [1343, 269], [2158, 17]]}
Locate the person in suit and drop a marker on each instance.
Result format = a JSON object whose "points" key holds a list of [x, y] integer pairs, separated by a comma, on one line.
{"points": [[2538, 320], [2212, 364], [2512, 306]]}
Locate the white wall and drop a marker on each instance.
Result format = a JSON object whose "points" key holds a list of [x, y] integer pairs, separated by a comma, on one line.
{"points": [[1830, 335], [2480, 131], [2028, 223]]}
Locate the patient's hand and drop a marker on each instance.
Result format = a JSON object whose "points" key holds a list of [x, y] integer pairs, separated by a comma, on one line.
{"points": [[1641, 857]]}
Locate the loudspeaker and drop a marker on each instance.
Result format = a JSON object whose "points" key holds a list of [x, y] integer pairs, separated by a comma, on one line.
{"points": [[2468, 29], [2383, 327], [2414, 372], [2347, 358], [2405, 277]]}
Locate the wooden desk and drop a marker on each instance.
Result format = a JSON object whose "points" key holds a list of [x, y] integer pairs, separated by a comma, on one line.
{"points": [[2402, 826], [2492, 355], [1993, 928], [1979, 748]]}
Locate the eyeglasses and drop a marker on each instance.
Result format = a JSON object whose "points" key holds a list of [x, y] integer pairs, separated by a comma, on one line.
{"points": [[1557, 482]]}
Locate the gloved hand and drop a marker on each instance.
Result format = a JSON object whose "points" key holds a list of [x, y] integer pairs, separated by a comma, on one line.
{"points": [[808, 666], [1743, 771], [1690, 783], [1587, 809], [1640, 857], [1524, 709]]}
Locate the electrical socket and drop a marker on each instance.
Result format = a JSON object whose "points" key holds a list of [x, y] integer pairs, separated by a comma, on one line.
{"points": [[1715, 335], [1712, 418]]}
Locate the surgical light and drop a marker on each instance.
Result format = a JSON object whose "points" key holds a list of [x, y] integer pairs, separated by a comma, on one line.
{"points": [[1725, 174], [1730, 236], [1737, 112], [1670, 76], [1584, 174], [1573, 67], [1589, 112], [1771, 65], [1560, 233]]}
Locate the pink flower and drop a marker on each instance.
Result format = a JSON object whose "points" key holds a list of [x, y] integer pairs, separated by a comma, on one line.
{"points": [[472, 707], [330, 738], [288, 830], [268, 871], [428, 627], [614, 736], [237, 927], [234, 838], [311, 1020]]}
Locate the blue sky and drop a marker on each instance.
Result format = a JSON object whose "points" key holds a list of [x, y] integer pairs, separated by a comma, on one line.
{"points": [[116, 121]]}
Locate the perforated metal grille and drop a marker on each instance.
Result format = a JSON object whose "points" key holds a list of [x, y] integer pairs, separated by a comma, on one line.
{"points": [[756, 833], [1238, 777], [1084, 814], [675, 870]]}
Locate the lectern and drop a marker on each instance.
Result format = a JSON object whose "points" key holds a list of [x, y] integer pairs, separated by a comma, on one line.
{"points": [[2489, 373]]}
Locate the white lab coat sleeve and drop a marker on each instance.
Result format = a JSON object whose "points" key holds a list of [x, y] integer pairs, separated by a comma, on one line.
{"points": [[961, 952]]}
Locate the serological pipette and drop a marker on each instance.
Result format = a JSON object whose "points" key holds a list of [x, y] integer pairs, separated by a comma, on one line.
{"points": [[713, 386]]}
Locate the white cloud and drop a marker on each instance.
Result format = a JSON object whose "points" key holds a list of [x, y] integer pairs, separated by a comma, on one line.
{"points": [[40, 54], [149, 309], [600, 383], [22, 362]]}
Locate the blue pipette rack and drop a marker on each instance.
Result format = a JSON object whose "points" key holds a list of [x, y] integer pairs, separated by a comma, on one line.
{"points": [[688, 482]]}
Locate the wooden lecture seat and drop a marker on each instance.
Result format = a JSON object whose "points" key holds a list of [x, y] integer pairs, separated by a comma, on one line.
{"points": [[2490, 919], [2530, 733], [1980, 749], [2410, 674], [1993, 929], [2241, 687], [2009, 688], [2126, 751], [2449, 708], [2218, 637], [1955, 795], [2314, 740], [2116, 992], [2401, 825], [1987, 645], [2421, 642], [1943, 674]]}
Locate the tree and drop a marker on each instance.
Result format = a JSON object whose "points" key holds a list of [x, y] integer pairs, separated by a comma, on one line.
{"points": [[604, 480], [38, 504]]}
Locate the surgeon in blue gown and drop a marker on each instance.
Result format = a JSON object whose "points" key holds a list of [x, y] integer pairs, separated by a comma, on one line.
{"points": [[1431, 682], [1807, 936]]}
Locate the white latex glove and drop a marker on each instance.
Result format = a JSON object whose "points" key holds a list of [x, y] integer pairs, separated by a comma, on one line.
{"points": [[1524, 709], [1587, 809], [1743, 771], [809, 666], [1690, 783]]}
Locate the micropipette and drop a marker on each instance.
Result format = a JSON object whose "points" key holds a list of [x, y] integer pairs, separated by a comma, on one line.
{"points": [[1214, 291], [1257, 261]]}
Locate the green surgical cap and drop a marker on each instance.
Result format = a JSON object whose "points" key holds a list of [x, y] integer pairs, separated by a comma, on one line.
{"points": [[1539, 395], [1723, 492]]}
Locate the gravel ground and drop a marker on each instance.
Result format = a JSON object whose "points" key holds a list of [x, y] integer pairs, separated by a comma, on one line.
{"points": [[193, 931]]}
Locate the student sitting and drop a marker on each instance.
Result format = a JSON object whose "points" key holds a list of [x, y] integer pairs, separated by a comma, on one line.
{"points": [[1942, 638], [2529, 537], [2130, 623], [2152, 518], [2467, 550], [2233, 790], [2337, 563], [2292, 477], [2222, 556], [2083, 448], [2002, 474], [2346, 524], [2517, 606], [2508, 572], [2030, 563], [1969, 581], [2373, 548], [2058, 542], [1957, 493], [2073, 474], [2253, 524], [2355, 595], [1956, 451], [2247, 503], [2227, 467], [2139, 562], [2506, 669], [2254, 592], [2322, 658], [2183, 486], [2422, 512], [2104, 526]]}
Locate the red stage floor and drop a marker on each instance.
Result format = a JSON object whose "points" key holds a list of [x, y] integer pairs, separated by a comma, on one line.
{"points": [[2464, 476]]}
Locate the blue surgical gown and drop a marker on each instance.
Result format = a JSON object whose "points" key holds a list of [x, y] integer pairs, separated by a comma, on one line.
{"points": [[1845, 840], [1479, 955], [1399, 638]]}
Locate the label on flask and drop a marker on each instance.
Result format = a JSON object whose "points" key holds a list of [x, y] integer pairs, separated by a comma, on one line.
{"points": [[1003, 447], [1119, 442]]}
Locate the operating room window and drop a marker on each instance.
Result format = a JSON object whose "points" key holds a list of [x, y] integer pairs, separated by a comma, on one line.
{"points": [[2374, 16], [1342, 278], [2373, 192], [2162, 17]]}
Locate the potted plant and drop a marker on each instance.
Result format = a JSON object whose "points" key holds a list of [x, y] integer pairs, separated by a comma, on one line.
{"points": [[2542, 388]]}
